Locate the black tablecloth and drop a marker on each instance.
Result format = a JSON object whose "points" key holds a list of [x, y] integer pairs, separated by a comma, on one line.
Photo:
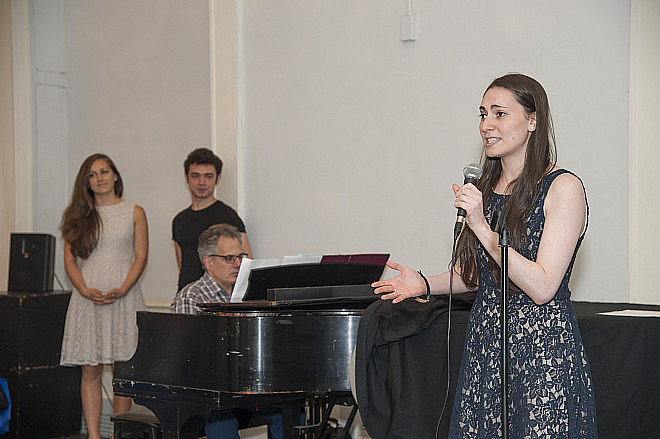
{"points": [[624, 353], [403, 398]]}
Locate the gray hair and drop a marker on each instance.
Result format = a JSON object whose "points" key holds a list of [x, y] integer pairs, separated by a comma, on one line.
{"points": [[208, 240]]}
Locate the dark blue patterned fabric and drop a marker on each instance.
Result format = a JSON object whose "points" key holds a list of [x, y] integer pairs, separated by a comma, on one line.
{"points": [[550, 387]]}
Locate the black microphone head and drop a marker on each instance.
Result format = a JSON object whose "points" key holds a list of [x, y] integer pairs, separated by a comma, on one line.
{"points": [[472, 173]]}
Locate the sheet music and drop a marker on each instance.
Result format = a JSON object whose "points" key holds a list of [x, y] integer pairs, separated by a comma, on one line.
{"points": [[240, 288], [244, 275], [301, 259]]}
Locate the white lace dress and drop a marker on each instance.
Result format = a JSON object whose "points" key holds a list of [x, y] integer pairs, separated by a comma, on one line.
{"points": [[101, 334]]}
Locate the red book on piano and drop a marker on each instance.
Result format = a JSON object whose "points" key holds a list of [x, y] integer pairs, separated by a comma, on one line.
{"points": [[365, 258]]}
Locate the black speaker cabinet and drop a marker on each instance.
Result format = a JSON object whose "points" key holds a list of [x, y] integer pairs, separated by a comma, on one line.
{"points": [[31, 262], [45, 396]]}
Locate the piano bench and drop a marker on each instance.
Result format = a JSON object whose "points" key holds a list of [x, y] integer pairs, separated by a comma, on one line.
{"points": [[138, 423]]}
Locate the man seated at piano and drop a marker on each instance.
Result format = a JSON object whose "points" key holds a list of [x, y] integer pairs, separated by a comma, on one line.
{"points": [[220, 251]]}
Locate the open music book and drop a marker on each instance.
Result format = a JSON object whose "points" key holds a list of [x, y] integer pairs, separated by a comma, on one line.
{"points": [[248, 265]]}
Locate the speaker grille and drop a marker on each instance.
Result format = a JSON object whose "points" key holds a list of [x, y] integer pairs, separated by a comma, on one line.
{"points": [[31, 262]]}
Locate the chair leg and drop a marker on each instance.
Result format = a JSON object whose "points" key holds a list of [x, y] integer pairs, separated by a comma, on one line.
{"points": [[349, 422]]}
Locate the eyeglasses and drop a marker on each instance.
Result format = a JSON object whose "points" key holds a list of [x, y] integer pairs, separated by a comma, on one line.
{"points": [[230, 259]]}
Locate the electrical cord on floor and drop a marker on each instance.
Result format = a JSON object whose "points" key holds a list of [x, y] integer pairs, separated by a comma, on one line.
{"points": [[451, 290]]}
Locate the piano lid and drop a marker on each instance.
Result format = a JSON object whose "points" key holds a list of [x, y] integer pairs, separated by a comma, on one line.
{"points": [[307, 305], [331, 297]]}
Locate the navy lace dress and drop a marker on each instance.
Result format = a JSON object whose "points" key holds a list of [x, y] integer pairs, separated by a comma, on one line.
{"points": [[550, 388]]}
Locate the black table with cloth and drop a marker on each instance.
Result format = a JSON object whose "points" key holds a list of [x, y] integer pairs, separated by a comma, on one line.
{"points": [[401, 367]]}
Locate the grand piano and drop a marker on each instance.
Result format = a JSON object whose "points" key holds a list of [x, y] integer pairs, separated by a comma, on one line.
{"points": [[288, 345]]}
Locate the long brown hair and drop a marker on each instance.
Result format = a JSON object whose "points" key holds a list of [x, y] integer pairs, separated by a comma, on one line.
{"points": [[540, 157], [81, 223]]}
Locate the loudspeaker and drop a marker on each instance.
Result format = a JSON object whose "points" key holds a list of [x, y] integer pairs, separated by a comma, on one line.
{"points": [[31, 262], [45, 396]]}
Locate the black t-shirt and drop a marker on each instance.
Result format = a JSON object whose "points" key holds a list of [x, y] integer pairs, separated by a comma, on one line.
{"points": [[186, 228]]}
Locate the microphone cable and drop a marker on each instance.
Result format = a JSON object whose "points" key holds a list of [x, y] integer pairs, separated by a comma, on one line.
{"points": [[471, 174], [451, 290]]}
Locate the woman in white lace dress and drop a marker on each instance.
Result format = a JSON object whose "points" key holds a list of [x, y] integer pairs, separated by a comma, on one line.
{"points": [[105, 252]]}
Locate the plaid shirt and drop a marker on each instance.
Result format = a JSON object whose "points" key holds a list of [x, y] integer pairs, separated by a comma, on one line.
{"points": [[204, 290]]}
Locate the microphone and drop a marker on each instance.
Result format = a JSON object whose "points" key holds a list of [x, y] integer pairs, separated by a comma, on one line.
{"points": [[471, 173]]}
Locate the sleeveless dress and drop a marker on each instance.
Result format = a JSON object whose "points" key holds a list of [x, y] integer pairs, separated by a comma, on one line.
{"points": [[550, 387], [101, 334]]}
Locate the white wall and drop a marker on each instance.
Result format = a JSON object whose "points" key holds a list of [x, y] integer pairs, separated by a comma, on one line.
{"points": [[7, 201], [353, 138], [139, 92], [350, 138], [51, 182], [644, 238]]}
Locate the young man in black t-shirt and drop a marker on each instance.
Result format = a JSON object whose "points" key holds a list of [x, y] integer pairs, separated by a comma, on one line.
{"points": [[202, 171]]}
